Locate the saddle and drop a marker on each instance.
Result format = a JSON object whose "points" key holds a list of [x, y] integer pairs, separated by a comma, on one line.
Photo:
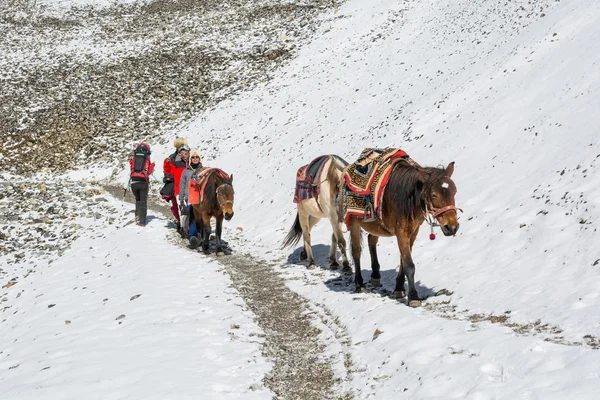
{"points": [[308, 178], [364, 182], [198, 183]]}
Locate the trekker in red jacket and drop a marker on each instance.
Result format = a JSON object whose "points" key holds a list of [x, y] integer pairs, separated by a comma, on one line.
{"points": [[140, 170], [173, 167]]}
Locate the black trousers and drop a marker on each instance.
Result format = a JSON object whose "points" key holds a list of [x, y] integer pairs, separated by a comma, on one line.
{"points": [[140, 191]]}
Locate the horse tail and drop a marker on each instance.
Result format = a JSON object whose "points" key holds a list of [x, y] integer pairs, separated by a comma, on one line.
{"points": [[294, 234]]}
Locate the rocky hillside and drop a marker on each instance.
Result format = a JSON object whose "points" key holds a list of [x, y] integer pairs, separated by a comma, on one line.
{"points": [[79, 85]]}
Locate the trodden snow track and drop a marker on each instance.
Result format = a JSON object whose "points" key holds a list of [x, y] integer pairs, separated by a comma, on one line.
{"points": [[292, 327]]}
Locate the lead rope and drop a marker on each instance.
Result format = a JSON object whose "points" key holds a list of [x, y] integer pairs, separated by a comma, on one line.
{"points": [[431, 221]]}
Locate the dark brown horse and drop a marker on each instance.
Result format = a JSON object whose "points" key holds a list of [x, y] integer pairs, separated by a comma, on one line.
{"points": [[412, 193], [216, 194]]}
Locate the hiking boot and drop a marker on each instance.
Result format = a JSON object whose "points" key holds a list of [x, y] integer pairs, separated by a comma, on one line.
{"points": [[194, 242]]}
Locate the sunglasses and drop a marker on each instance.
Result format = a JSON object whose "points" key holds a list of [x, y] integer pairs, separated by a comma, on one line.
{"points": [[198, 157], [184, 152]]}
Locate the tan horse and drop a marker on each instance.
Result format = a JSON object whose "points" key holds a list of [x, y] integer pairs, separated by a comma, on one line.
{"points": [[411, 194], [311, 211]]}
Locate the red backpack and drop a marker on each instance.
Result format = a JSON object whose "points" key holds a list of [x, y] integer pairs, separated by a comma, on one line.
{"points": [[140, 165]]}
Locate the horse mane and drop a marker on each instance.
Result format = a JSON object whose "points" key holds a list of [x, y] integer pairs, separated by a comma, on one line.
{"points": [[407, 187], [339, 161]]}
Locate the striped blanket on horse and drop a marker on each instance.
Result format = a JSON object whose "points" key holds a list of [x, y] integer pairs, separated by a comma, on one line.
{"points": [[198, 183], [308, 178], [365, 181]]}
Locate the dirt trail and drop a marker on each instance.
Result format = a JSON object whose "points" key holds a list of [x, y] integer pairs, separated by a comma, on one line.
{"points": [[301, 370]]}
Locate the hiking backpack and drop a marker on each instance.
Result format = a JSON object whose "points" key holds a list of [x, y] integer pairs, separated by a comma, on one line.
{"points": [[140, 163]]}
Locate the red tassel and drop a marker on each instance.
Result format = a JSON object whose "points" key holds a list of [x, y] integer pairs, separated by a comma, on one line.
{"points": [[432, 236]]}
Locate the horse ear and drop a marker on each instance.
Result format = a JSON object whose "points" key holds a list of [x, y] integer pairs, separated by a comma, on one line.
{"points": [[421, 178], [450, 169], [231, 178]]}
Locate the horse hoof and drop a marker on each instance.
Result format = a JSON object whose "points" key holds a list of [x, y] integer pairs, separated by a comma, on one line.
{"points": [[347, 270], [399, 294], [414, 303], [220, 253], [375, 282], [194, 242], [360, 289], [303, 255], [334, 265], [311, 266]]}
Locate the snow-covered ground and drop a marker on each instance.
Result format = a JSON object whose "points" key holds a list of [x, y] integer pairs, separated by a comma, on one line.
{"points": [[509, 91], [517, 112], [124, 314]]}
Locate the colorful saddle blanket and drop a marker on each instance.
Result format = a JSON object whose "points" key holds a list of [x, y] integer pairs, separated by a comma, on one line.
{"points": [[308, 178], [198, 183], [365, 181]]}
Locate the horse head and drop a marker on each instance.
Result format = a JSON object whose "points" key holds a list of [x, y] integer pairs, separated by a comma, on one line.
{"points": [[225, 194], [438, 196]]}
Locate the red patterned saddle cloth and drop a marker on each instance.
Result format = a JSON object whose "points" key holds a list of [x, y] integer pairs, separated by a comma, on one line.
{"points": [[308, 178], [365, 181], [198, 183]]}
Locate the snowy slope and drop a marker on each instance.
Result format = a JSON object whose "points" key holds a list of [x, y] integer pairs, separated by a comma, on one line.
{"points": [[126, 314], [512, 99], [509, 91]]}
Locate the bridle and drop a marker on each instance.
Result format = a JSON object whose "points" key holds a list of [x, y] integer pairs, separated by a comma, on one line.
{"points": [[432, 213], [222, 203], [436, 212]]}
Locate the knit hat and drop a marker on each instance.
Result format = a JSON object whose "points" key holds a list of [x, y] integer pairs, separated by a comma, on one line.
{"points": [[192, 154], [180, 142]]}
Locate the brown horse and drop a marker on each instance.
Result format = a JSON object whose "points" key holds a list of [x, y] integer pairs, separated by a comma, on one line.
{"points": [[216, 192], [412, 193], [311, 211]]}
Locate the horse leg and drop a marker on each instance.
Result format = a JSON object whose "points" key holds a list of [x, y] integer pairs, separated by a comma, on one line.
{"points": [[399, 291], [341, 241], [305, 223], [375, 275], [205, 232], [219, 228], [333, 264], [355, 246], [303, 254], [408, 266]]}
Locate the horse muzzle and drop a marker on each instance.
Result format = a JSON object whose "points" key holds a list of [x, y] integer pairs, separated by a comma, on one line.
{"points": [[228, 216], [450, 230]]}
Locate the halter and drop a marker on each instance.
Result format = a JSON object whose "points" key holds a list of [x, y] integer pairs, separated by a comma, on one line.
{"points": [[431, 213], [436, 212], [225, 202], [221, 204]]}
